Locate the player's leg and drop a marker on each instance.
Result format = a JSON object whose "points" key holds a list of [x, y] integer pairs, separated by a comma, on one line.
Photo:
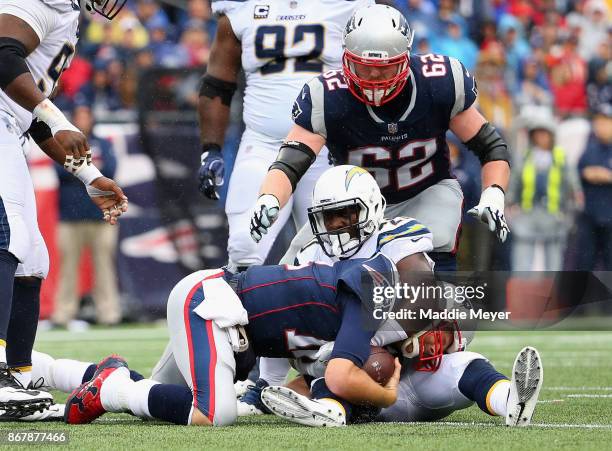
{"points": [[202, 352], [513, 399], [166, 370], [430, 396], [26, 297], [103, 241], [439, 207], [15, 243], [252, 162]]}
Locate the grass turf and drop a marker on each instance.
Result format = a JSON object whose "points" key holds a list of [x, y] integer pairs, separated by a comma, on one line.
{"points": [[574, 412]]}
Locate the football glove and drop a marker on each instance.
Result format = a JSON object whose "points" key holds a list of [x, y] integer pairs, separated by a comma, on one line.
{"points": [[211, 172], [315, 366], [263, 216], [490, 210]]}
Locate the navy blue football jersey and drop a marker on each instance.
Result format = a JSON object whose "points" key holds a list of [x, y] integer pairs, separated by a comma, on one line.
{"points": [[293, 310], [402, 143]]}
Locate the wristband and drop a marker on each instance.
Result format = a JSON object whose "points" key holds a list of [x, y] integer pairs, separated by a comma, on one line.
{"points": [[48, 113], [87, 174]]}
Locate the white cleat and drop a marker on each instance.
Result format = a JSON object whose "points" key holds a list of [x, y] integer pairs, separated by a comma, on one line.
{"points": [[16, 401], [241, 387], [527, 378], [51, 413], [247, 410], [296, 408]]}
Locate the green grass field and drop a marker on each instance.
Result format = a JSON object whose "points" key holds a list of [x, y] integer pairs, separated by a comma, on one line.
{"points": [[574, 413]]}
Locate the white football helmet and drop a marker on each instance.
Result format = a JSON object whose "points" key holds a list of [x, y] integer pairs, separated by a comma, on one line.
{"points": [[106, 8], [347, 208], [377, 36]]}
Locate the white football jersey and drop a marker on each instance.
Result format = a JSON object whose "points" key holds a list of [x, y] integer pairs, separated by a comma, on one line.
{"points": [[395, 238], [284, 44], [57, 28]]}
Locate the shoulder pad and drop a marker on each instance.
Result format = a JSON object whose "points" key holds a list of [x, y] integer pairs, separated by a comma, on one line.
{"points": [[225, 6]]}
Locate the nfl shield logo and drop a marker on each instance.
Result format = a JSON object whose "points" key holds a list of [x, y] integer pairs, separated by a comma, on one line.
{"points": [[392, 127]]}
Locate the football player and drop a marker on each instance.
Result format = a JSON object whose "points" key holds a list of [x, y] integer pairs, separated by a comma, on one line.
{"points": [[346, 219], [388, 112], [37, 42], [280, 45], [217, 320]]}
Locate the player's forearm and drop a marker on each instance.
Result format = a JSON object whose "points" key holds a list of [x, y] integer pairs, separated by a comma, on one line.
{"points": [[23, 91], [496, 173], [351, 383], [277, 183], [214, 118], [53, 149]]}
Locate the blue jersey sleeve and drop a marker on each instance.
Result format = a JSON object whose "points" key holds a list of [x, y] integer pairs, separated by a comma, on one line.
{"points": [[465, 90], [308, 108], [353, 340]]}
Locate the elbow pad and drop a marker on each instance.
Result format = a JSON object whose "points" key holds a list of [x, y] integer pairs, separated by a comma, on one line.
{"points": [[212, 87], [12, 61], [488, 145], [39, 131], [294, 158]]}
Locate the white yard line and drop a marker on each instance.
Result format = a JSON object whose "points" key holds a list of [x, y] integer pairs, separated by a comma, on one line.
{"points": [[533, 425], [566, 388], [584, 395]]}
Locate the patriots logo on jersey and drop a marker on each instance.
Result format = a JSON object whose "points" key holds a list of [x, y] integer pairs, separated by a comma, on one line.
{"points": [[296, 110]]}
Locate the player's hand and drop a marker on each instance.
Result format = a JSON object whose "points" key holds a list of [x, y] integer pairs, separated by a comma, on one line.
{"points": [[490, 210], [263, 216], [74, 144], [109, 198], [393, 383], [211, 173]]}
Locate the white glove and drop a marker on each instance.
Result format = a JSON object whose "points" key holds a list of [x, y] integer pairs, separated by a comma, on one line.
{"points": [[263, 216], [315, 368], [490, 210]]}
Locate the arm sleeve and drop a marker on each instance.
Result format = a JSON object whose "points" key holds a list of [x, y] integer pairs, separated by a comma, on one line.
{"points": [[35, 13], [352, 341], [465, 90], [587, 158]]}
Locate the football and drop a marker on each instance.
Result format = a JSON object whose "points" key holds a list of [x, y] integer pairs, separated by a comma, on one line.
{"points": [[380, 365]]}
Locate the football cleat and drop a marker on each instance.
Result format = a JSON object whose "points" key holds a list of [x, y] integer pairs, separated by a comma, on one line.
{"points": [[527, 378], [287, 404], [16, 401], [54, 412], [250, 403], [84, 404], [241, 387]]}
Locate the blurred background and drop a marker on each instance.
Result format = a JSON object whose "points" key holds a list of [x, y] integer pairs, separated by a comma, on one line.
{"points": [[543, 69]]}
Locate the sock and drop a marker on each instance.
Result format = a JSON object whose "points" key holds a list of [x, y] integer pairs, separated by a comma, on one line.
{"points": [[273, 371], [115, 391], [172, 403], [23, 374], [8, 266], [23, 323], [320, 392], [480, 381], [67, 374], [498, 397]]}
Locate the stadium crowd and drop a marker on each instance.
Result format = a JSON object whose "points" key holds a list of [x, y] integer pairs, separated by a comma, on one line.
{"points": [[543, 69]]}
